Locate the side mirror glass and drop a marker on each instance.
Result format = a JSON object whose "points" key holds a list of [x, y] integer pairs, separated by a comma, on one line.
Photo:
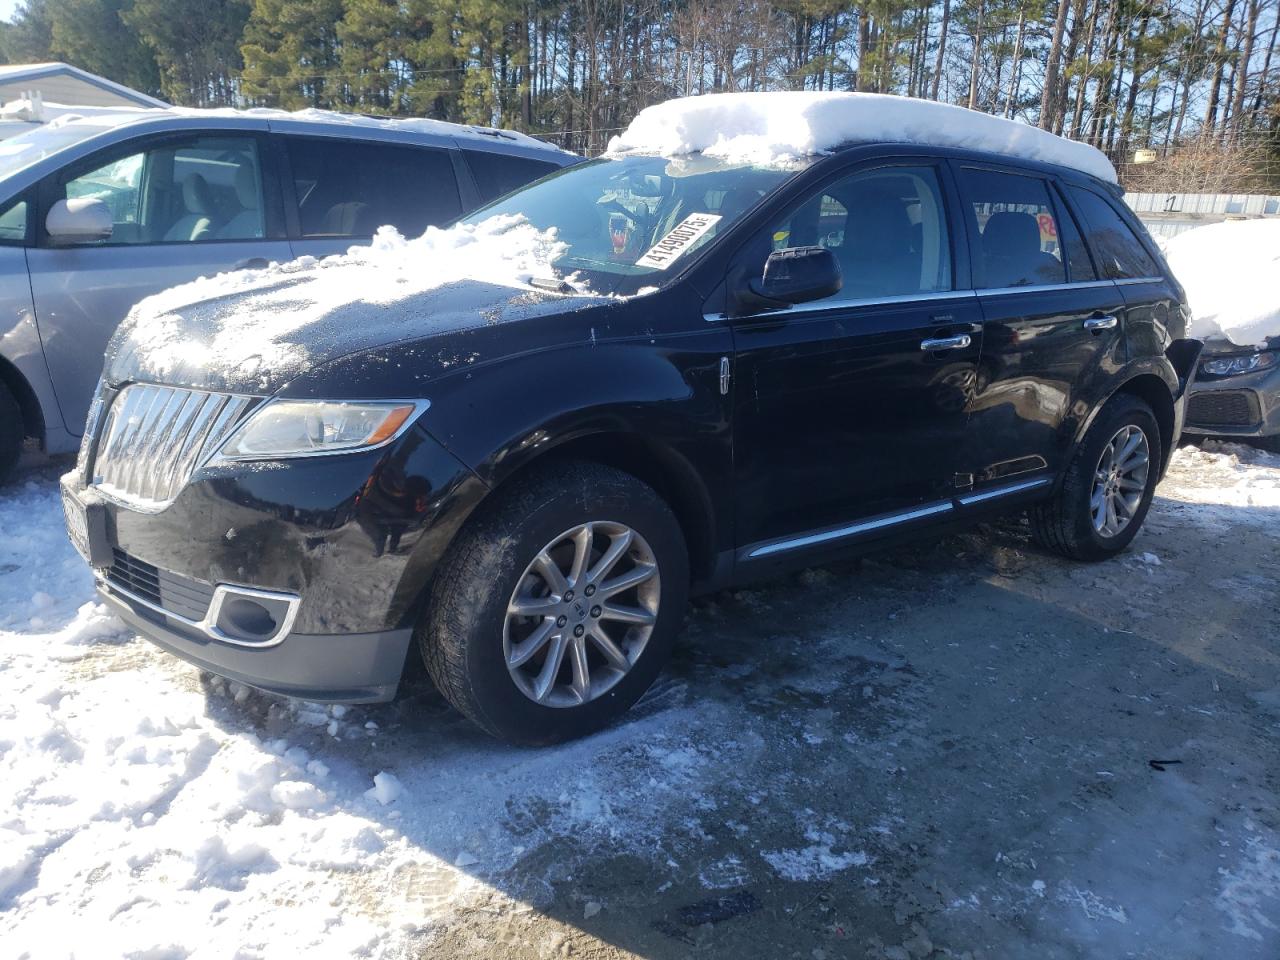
{"points": [[798, 275], [79, 220]]}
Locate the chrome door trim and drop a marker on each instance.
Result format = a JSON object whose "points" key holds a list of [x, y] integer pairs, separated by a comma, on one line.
{"points": [[828, 306], [1127, 281], [1046, 287], [837, 533], [992, 493]]}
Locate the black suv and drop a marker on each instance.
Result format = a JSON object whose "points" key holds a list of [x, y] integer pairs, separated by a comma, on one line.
{"points": [[730, 371]]}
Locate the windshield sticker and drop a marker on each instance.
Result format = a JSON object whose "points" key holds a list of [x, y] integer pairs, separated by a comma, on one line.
{"points": [[664, 253]]}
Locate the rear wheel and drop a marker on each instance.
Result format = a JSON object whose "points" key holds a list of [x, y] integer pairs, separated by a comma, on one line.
{"points": [[557, 606], [1108, 487], [12, 432]]}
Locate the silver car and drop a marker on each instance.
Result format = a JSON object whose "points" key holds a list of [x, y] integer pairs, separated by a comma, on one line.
{"points": [[97, 213]]}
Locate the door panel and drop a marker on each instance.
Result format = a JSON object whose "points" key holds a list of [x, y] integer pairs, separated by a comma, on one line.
{"points": [[181, 208], [839, 413], [1049, 325]]}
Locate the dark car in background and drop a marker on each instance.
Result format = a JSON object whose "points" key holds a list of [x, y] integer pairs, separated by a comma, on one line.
{"points": [[99, 212], [775, 366]]}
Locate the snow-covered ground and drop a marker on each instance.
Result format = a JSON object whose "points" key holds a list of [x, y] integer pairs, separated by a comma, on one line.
{"points": [[943, 750]]}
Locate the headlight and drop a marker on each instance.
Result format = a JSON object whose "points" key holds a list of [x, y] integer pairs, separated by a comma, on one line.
{"points": [[306, 428], [1244, 363]]}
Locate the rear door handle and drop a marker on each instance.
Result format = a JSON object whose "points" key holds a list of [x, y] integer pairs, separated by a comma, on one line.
{"points": [[1101, 323], [252, 263], [958, 342]]}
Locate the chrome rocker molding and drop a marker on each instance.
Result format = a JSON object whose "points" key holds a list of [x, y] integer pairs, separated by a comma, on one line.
{"points": [[892, 519], [209, 625]]}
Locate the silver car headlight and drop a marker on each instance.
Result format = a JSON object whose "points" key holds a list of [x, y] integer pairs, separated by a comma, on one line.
{"points": [[308, 428], [1243, 363]]}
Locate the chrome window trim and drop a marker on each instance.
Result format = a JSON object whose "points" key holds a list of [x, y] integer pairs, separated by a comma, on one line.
{"points": [[993, 493], [828, 306], [876, 523], [209, 625], [1132, 280], [1045, 287]]}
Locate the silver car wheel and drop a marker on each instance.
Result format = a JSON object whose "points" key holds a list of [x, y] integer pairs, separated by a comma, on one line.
{"points": [[1120, 480], [581, 614]]}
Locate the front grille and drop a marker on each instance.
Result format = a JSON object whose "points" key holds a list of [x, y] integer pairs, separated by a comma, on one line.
{"points": [[1223, 408], [153, 438], [172, 592]]}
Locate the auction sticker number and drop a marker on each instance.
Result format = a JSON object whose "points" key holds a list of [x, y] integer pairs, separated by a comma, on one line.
{"points": [[664, 253]]}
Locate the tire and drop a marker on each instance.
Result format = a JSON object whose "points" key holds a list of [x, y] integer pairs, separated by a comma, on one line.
{"points": [[469, 631], [1066, 523], [12, 433]]}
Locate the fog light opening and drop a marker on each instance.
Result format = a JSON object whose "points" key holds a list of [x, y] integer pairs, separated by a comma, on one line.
{"points": [[247, 619]]}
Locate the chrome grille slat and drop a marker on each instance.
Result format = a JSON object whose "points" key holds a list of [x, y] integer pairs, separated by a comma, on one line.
{"points": [[153, 438]]}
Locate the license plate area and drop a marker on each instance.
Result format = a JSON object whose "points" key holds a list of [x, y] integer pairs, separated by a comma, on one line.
{"points": [[87, 529]]}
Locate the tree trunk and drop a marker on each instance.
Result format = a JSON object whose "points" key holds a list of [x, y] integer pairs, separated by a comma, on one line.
{"points": [[1050, 98], [1220, 62], [1082, 88], [942, 48], [977, 57], [1242, 69], [1017, 62]]}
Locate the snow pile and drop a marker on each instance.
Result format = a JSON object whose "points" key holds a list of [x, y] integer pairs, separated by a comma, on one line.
{"points": [[771, 128], [266, 319], [1231, 272]]}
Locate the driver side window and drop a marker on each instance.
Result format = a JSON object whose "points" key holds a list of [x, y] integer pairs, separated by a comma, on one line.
{"points": [[887, 229], [208, 188]]}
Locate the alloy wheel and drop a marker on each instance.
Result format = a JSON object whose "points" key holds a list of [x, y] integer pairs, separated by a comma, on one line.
{"points": [[1120, 480], [581, 614]]}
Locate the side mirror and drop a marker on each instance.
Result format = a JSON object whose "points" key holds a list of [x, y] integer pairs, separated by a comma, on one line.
{"points": [[79, 220], [798, 275]]}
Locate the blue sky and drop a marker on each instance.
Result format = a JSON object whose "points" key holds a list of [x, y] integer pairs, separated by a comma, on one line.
{"points": [[7, 7]]}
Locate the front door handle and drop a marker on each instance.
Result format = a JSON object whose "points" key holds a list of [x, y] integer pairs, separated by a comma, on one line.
{"points": [[1101, 323], [958, 342], [252, 263]]}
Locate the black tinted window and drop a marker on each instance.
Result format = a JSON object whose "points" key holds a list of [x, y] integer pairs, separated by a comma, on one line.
{"points": [[887, 229], [497, 174], [1120, 253], [1017, 243], [1079, 266], [350, 189]]}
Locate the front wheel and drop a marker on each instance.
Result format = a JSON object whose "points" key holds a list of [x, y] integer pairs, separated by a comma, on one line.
{"points": [[557, 606], [1108, 487]]}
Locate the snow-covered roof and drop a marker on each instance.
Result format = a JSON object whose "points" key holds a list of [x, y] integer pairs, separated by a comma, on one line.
{"points": [[62, 81], [775, 127], [1229, 271], [422, 125]]}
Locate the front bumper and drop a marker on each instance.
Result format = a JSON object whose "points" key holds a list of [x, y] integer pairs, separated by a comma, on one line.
{"points": [[344, 545], [1245, 405]]}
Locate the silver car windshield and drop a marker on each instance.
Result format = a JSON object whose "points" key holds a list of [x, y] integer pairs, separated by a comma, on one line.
{"points": [[21, 151], [631, 223]]}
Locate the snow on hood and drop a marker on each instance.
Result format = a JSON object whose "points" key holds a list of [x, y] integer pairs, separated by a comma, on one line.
{"points": [[768, 128], [1231, 273], [256, 329]]}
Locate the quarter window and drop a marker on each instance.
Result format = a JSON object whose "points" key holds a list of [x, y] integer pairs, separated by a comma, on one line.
{"points": [[498, 173], [349, 189], [1017, 232], [1120, 253], [887, 229]]}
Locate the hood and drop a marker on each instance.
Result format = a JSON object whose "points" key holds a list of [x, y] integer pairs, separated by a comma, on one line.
{"points": [[254, 331]]}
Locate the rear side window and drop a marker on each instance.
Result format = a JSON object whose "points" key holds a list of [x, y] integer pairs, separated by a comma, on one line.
{"points": [[1120, 253], [1017, 230], [13, 223], [498, 174], [349, 189]]}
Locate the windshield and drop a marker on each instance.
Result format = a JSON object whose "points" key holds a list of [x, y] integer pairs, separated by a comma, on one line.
{"points": [[26, 148], [629, 222]]}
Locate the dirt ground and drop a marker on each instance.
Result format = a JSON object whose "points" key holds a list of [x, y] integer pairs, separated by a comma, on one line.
{"points": [[964, 748]]}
